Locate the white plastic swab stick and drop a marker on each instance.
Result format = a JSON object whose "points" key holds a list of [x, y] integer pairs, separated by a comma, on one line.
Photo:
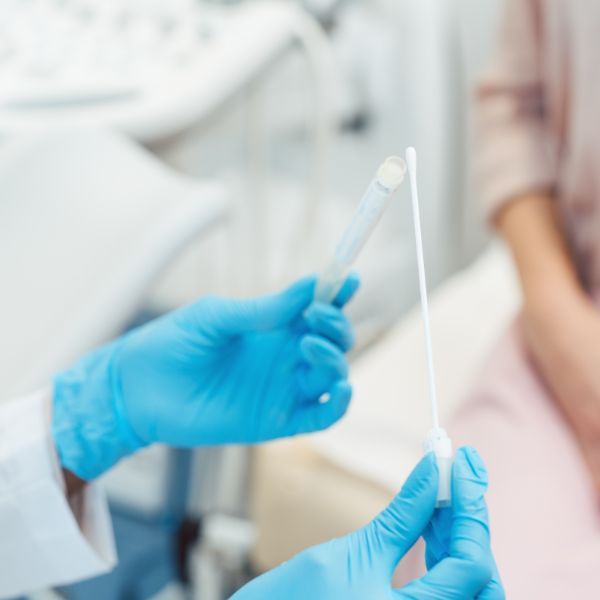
{"points": [[411, 161], [437, 440]]}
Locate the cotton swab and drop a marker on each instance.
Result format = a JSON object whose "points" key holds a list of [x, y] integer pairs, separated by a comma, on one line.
{"points": [[437, 440]]}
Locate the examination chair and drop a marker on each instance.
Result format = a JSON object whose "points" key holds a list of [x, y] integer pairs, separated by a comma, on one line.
{"points": [[311, 489], [88, 222]]}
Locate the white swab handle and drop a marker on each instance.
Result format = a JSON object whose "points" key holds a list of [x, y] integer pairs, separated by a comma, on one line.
{"points": [[437, 440]]}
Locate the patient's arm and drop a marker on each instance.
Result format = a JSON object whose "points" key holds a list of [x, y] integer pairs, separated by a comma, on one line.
{"points": [[561, 325], [532, 229]]}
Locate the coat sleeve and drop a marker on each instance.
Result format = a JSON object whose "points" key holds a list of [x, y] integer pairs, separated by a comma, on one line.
{"points": [[45, 540]]}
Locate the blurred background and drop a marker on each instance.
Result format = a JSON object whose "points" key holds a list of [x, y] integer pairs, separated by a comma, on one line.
{"points": [[154, 151]]}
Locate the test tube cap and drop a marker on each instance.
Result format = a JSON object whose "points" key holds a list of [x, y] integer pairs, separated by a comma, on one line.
{"points": [[440, 444], [391, 173]]}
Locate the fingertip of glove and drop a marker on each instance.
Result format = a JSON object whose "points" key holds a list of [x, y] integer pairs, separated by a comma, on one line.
{"points": [[470, 463], [341, 392], [307, 344], [318, 310], [330, 321], [314, 348], [339, 401], [348, 289], [423, 477], [428, 465], [330, 408], [353, 279], [413, 507]]}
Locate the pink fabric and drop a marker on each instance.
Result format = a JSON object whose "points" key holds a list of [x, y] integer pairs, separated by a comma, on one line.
{"points": [[537, 116], [544, 515]]}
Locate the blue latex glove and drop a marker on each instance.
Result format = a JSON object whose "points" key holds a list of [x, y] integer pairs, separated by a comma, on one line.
{"points": [[360, 565], [217, 371], [438, 537]]}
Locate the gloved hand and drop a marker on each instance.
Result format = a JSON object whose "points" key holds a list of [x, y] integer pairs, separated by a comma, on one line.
{"points": [[438, 536], [360, 565], [217, 371]]}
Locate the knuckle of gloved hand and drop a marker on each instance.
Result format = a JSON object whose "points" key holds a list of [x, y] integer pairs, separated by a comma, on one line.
{"points": [[315, 564], [391, 524], [482, 571], [321, 315], [476, 566], [499, 593], [328, 418], [331, 320], [343, 370], [344, 337], [349, 339], [201, 310], [210, 304], [342, 410]]}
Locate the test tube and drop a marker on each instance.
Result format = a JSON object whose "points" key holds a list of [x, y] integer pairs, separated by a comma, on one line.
{"points": [[373, 204]]}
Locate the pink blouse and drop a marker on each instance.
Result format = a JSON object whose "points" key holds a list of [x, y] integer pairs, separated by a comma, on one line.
{"points": [[538, 117]]}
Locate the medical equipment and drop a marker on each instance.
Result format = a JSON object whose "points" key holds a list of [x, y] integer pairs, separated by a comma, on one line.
{"points": [[78, 52], [148, 68], [437, 440], [387, 180]]}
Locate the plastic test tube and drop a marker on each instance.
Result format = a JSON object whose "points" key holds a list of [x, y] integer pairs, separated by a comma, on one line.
{"points": [[373, 204], [437, 440]]}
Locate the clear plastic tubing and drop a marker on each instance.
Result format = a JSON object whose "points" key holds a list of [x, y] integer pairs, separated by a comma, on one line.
{"points": [[372, 206]]}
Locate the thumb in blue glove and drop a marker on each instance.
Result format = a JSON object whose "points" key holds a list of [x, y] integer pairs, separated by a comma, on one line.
{"points": [[361, 564], [218, 371]]}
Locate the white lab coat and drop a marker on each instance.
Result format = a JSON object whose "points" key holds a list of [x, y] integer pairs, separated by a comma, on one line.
{"points": [[44, 540]]}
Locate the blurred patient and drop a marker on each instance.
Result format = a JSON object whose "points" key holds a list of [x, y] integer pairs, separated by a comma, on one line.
{"points": [[535, 413]]}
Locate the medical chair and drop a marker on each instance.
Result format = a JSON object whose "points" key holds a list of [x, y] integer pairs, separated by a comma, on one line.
{"points": [[88, 222]]}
